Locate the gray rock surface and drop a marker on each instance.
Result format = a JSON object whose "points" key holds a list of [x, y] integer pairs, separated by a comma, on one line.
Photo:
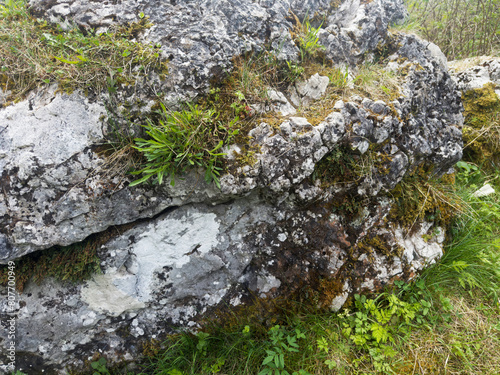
{"points": [[273, 229], [474, 74]]}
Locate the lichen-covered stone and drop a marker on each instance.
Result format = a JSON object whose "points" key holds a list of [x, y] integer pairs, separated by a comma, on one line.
{"points": [[278, 225]]}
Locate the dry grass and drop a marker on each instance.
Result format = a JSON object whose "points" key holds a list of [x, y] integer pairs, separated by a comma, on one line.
{"points": [[468, 344]]}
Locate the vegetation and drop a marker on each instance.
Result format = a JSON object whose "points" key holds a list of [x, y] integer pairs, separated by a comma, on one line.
{"points": [[184, 139], [446, 321], [35, 53], [481, 130], [462, 28]]}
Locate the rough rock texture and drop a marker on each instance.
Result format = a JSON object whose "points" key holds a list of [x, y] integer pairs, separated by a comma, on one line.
{"points": [[274, 229], [483, 70]]}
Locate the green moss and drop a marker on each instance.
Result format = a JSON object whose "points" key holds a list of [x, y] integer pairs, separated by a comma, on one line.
{"points": [[481, 131], [420, 196], [337, 166], [73, 263], [376, 243]]}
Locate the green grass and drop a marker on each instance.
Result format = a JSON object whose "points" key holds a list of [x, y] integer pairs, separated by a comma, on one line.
{"points": [[34, 53]]}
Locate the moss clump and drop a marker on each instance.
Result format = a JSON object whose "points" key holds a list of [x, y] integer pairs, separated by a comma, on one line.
{"points": [[481, 131], [420, 196], [73, 263], [376, 243], [336, 167]]}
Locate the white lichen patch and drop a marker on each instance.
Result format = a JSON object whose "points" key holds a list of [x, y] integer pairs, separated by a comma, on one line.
{"points": [[170, 242]]}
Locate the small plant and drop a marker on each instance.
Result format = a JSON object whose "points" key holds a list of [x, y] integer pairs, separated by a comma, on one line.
{"points": [[295, 71], [339, 78], [183, 139], [100, 367], [308, 40], [371, 326], [281, 344]]}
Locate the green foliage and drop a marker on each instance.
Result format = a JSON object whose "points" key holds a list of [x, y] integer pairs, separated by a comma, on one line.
{"points": [[481, 131], [461, 28], [100, 367], [184, 139], [308, 41], [12, 9], [281, 343], [35, 53], [472, 259], [375, 323]]}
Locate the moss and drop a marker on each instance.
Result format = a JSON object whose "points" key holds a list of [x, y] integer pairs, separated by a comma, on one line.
{"points": [[377, 243], [337, 166], [73, 263], [420, 196], [481, 131]]}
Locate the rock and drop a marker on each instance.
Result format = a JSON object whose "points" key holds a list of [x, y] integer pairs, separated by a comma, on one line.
{"points": [[484, 191], [305, 92], [476, 76], [279, 224]]}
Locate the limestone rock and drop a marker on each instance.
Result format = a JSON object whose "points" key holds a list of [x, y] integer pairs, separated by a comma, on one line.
{"points": [[275, 226]]}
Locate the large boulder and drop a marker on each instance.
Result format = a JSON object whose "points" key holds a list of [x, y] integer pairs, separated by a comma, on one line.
{"points": [[282, 225]]}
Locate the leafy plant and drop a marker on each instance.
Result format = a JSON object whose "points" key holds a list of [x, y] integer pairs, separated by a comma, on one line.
{"points": [[308, 40], [281, 344], [183, 139], [370, 328], [100, 367]]}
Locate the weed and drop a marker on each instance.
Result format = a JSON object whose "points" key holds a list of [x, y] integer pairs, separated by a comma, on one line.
{"points": [[281, 343], [13, 9], [308, 41], [100, 367], [189, 138]]}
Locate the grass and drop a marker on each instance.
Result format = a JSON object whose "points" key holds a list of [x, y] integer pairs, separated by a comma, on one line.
{"points": [[34, 53]]}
